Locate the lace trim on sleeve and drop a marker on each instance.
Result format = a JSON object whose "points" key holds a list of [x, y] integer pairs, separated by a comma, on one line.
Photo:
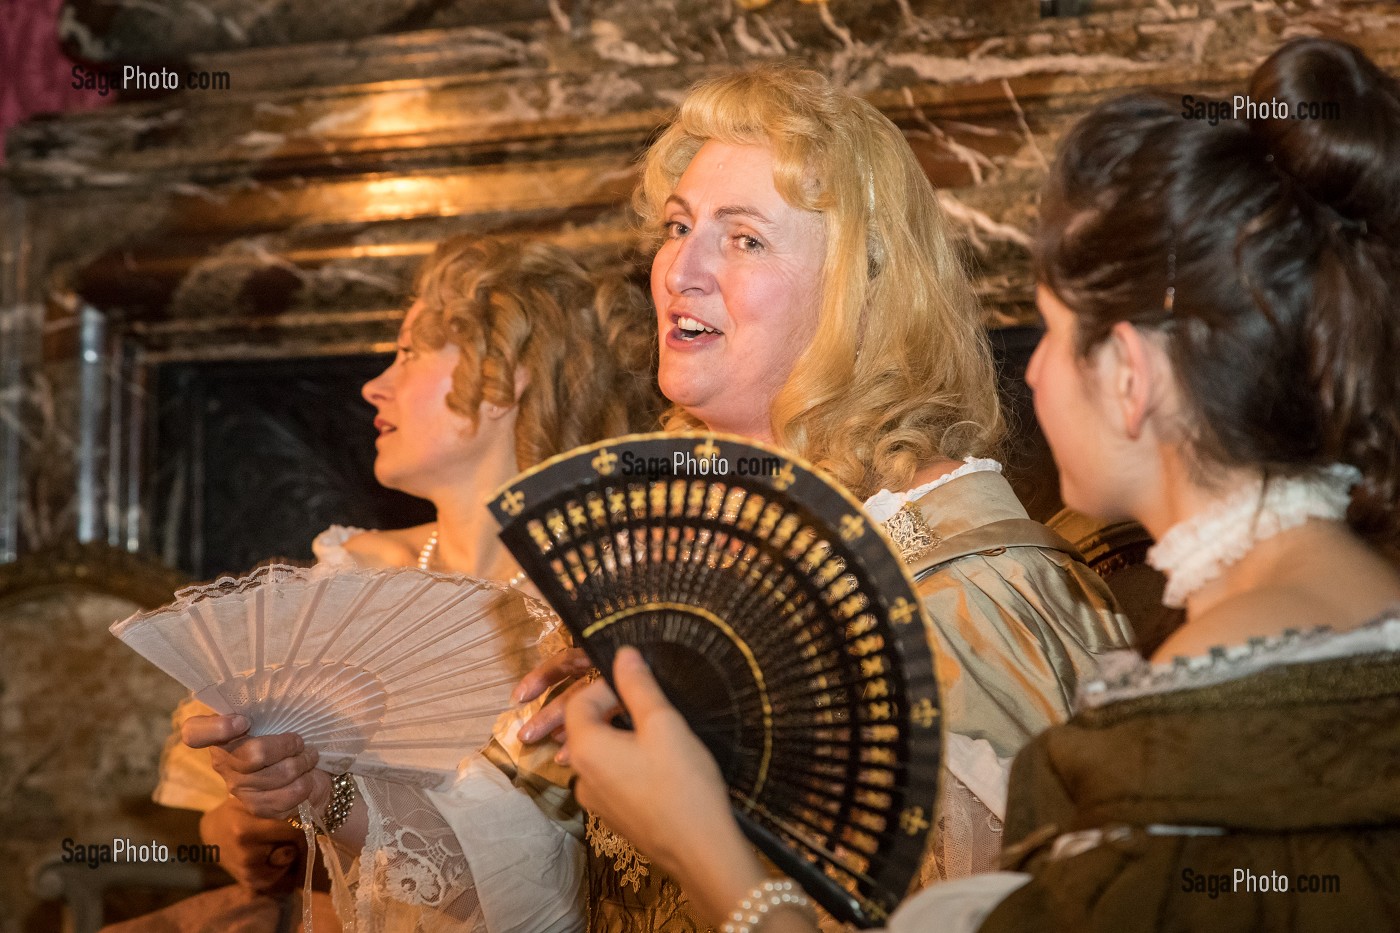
{"points": [[967, 840], [411, 876], [1125, 675]]}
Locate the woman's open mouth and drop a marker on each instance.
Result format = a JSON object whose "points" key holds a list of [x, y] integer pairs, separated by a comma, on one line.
{"points": [[688, 329]]}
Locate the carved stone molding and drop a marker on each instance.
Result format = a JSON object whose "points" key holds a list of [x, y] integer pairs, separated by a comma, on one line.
{"points": [[96, 568]]}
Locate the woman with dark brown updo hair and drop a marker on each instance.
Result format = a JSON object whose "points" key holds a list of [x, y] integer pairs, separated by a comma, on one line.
{"points": [[1222, 308]]}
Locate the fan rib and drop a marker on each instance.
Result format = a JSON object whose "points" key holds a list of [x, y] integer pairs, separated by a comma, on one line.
{"points": [[207, 642], [349, 616], [304, 620]]}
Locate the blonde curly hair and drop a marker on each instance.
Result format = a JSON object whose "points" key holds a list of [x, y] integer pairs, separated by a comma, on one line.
{"points": [[586, 340], [900, 371]]}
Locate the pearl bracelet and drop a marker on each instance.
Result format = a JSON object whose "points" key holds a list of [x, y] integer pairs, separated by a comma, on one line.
{"points": [[769, 896]]}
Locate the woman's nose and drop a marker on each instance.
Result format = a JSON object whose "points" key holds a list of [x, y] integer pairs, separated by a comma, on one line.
{"points": [[377, 389], [691, 268]]}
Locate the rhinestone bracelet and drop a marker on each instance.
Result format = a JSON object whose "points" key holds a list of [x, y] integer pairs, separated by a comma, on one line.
{"points": [[769, 896], [337, 808]]}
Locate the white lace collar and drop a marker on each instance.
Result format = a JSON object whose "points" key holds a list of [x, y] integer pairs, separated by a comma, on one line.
{"points": [[885, 503], [1194, 552], [1124, 675]]}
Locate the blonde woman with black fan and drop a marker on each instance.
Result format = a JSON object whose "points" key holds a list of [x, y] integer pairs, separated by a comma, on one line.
{"points": [[510, 354], [1222, 308], [809, 294]]}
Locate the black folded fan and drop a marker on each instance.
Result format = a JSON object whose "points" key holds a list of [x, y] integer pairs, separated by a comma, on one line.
{"points": [[776, 619]]}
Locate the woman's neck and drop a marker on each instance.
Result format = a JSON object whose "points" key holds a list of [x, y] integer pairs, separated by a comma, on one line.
{"points": [[467, 543], [467, 534]]}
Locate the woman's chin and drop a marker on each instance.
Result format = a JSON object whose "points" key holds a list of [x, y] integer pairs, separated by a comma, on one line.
{"points": [[391, 478]]}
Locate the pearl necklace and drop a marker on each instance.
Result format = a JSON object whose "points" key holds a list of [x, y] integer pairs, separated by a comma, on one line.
{"points": [[425, 559], [425, 556], [1196, 551]]}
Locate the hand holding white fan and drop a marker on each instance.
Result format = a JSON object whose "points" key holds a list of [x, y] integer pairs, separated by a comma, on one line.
{"points": [[393, 673]]}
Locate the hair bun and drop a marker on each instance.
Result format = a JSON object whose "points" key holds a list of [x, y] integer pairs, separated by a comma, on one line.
{"points": [[1340, 140]]}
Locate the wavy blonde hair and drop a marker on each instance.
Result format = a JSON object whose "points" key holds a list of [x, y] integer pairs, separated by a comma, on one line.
{"points": [[586, 340], [900, 371]]}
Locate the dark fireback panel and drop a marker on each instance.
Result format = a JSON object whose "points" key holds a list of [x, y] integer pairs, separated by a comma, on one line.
{"points": [[251, 459], [1029, 466]]}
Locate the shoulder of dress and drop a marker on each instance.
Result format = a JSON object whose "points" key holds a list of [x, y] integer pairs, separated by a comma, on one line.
{"points": [[341, 546], [969, 501]]}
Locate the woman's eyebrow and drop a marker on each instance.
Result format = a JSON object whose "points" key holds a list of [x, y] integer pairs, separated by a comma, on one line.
{"points": [[740, 210]]}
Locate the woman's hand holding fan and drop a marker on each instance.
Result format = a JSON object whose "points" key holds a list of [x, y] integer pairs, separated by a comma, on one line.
{"points": [[259, 853], [271, 775], [658, 782]]}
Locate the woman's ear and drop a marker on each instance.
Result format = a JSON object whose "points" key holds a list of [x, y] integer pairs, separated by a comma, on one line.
{"points": [[522, 381], [1135, 378]]}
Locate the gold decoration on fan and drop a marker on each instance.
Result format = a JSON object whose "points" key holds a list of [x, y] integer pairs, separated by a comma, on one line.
{"points": [[605, 462], [513, 502], [913, 821], [923, 714], [902, 612]]}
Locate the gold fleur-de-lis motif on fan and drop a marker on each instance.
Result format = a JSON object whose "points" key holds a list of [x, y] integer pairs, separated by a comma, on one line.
{"points": [[784, 478], [913, 821], [923, 713], [902, 612], [852, 527], [605, 462], [513, 502], [708, 449]]}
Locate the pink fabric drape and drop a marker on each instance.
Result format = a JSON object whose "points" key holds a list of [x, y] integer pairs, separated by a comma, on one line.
{"points": [[35, 75]]}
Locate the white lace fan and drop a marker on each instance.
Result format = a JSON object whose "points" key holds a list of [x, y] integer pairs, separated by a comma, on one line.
{"points": [[390, 673]]}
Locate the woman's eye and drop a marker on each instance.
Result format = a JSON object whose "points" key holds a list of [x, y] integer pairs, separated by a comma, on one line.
{"points": [[406, 353], [747, 243], [675, 228]]}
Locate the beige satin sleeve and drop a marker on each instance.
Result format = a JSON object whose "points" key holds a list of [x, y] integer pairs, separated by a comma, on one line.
{"points": [[1017, 629]]}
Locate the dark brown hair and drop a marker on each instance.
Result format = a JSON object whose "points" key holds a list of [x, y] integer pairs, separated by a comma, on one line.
{"points": [[586, 339], [1279, 240]]}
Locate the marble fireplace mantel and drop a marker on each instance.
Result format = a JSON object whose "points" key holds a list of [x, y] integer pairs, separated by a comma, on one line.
{"points": [[281, 218]]}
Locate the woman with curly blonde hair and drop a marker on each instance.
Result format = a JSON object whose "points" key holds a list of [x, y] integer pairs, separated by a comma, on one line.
{"points": [[510, 353], [898, 373], [808, 294]]}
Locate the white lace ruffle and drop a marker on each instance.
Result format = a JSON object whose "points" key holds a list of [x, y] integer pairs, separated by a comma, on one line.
{"points": [[329, 546], [885, 503], [1125, 675], [967, 839], [1196, 551]]}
